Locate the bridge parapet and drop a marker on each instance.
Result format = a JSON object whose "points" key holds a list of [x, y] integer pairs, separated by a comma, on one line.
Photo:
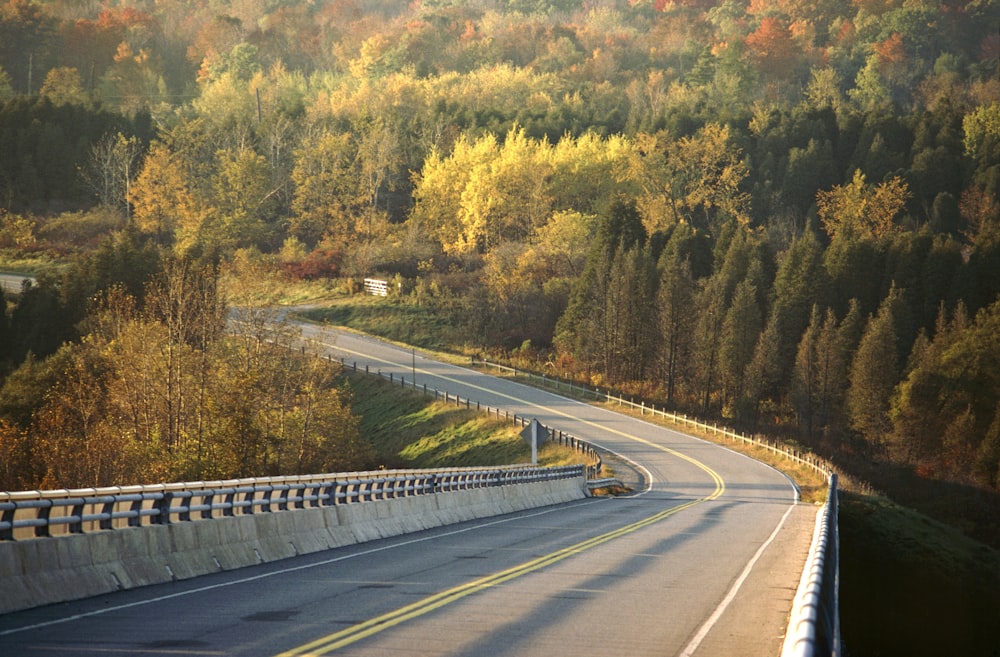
{"points": [[120, 540]]}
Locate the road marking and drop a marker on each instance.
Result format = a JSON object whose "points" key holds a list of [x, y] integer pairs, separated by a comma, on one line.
{"points": [[283, 571], [703, 631], [733, 590], [594, 425], [373, 626]]}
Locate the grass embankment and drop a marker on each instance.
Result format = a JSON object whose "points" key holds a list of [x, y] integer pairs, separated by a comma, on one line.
{"points": [[425, 327], [410, 430], [912, 586]]}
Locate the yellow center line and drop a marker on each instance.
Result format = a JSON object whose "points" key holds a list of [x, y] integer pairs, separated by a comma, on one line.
{"points": [[373, 626], [350, 635]]}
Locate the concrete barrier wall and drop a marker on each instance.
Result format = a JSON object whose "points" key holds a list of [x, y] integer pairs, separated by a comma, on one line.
{"points": [[48, 570]]}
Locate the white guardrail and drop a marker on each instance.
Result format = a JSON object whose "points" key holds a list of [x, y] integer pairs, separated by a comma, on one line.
{"points": [[814, 625]]}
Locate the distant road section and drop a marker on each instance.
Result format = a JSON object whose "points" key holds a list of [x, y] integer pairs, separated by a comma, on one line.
{"points": [[13, 282]]}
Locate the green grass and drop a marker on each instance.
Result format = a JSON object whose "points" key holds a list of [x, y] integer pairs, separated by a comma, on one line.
{"points": [[409, 430], [425, 326], [913, 586], [29, 263]]}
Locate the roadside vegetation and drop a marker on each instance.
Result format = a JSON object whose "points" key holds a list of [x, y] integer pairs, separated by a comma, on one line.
{"points": [[409, 430]]}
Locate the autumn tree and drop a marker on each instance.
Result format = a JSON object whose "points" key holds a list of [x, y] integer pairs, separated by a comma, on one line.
{"points": [[773, 48], [63, 86], [711, 172], [860, 210], [115, 161], [323, 177], [162, 196]]}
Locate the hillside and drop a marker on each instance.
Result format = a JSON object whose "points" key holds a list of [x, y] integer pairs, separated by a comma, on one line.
{"points": [[782, 215]]}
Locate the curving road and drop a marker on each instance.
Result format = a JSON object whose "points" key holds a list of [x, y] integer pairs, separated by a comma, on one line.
{"points": [[705, 561]]}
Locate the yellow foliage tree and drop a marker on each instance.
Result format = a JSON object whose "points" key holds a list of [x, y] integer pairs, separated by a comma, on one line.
{"points": [[858, 210]]}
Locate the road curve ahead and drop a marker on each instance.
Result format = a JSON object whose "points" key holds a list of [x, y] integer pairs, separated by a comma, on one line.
{"points": [[703, 562]]}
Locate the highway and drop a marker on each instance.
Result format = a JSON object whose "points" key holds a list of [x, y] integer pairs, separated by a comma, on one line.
{"points": [[703, 561]]}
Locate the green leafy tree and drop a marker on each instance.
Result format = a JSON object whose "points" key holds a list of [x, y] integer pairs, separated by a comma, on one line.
{"points": [[944, 409], [323, 176]]}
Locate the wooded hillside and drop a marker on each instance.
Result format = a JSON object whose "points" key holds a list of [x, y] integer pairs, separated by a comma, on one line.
{"points": [[782, 214]]}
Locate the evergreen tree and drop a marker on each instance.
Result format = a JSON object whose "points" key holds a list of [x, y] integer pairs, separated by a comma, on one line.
{"points": [[711, 306], [5, 337], [589, 324], [763, 383], [875, 371], [799, 284], [819, 375], [740, 332], [675, 301]]}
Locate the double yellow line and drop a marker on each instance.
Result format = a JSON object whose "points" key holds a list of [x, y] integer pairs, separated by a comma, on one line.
{"points": [[373, 626], [355, 633]]}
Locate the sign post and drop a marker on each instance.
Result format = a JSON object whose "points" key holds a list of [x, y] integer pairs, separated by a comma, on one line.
{"points": [[535, 434]]}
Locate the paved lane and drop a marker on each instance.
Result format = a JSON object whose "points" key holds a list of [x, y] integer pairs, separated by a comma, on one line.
{"points": [[704, 562]]}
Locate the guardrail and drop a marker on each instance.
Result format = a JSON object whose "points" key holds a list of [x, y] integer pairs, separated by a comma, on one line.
{"points": [[37, 514], [594, 470], [814, 627], [607, 396]]}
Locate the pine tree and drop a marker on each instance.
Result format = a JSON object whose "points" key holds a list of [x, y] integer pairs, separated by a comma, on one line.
{"points": [[740, 332], [875, 371], [675, 302], [799, 284], [590, 324], [817, 384]]}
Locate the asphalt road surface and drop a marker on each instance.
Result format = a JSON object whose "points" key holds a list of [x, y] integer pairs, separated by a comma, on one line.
{"points": [[703, 561]]}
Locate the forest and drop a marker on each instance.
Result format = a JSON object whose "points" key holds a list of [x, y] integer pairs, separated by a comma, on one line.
{"points": [[784, 215]]}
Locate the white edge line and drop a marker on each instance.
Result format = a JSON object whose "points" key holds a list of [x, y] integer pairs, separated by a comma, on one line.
{"points": [[731, 595], [283, 571]]}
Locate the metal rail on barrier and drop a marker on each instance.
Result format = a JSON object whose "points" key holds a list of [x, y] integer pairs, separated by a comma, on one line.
{"points": [[37, 514], [594, 469], [814, 626]]}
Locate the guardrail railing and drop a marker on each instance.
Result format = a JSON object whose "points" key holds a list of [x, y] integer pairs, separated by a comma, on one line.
{"points": [[814, 626], [594, 469], [37, 514], [609, 397]]}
